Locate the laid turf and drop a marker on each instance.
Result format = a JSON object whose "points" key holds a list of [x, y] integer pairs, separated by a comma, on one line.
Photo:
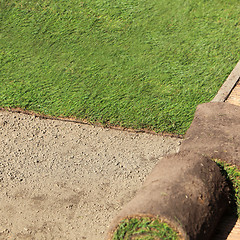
{"points": [[144, 229], [140, 64]]}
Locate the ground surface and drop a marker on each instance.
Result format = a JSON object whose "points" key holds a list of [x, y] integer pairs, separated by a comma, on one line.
{"points": [[62, 180]]}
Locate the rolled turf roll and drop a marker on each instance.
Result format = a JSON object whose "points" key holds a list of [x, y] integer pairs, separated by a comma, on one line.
{"points": [[183, 198], [215, 132]]}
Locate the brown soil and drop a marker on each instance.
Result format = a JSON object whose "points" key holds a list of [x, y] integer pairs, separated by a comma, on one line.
{"points": [[65, 180], [214, 132]]}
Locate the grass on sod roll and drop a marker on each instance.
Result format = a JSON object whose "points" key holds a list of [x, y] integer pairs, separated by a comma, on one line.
{"points": [[232, 174], [139, 64], [144, 229]]}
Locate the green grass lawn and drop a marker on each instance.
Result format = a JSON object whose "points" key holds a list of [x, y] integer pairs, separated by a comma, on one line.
{"points": [[133, 63]]}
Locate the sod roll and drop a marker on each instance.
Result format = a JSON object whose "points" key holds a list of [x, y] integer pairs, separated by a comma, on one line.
{"points": [[183, 198], [215, 132]]}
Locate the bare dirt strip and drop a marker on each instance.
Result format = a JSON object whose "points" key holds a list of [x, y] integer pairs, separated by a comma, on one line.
{"points": [[65, 180]]}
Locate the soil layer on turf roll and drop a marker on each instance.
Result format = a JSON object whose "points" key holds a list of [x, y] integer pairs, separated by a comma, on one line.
{"points": [[185, 190], [215, 133]]}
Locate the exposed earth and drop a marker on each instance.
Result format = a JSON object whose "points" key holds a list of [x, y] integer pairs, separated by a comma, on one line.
{"points": [[65, 180]]}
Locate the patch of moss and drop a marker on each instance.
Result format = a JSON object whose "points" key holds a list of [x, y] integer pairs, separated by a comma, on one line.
{"points": [[232, 174], [144, 229]]}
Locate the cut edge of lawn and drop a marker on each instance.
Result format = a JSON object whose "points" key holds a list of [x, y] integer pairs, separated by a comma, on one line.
{"points": [[87, 122]]}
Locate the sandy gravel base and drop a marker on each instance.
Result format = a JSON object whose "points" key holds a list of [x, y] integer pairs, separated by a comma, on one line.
{"points": [[63, 180]]}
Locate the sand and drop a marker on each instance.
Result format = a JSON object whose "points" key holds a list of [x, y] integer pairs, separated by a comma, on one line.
{"points": [[65, 180]]}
